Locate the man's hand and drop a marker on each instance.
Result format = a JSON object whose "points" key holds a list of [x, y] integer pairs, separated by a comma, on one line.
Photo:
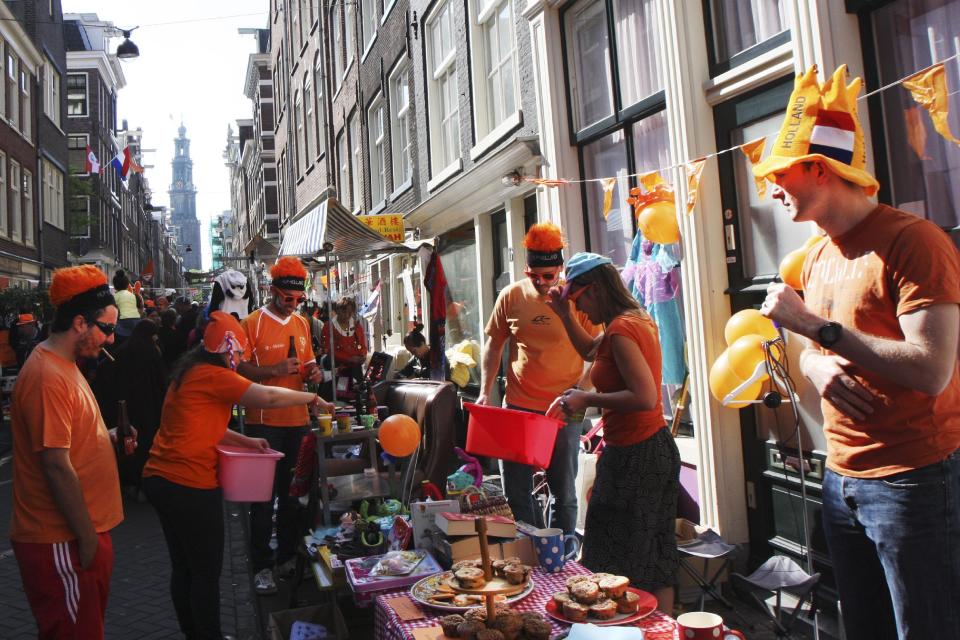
{"points": [[557, 302], [312, 373], [831, 380], [87, 550], [286, 367], [483, 399], [785, 307], [320, 406]]}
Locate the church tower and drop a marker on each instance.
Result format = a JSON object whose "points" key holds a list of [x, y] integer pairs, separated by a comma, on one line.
{"points": [[183, 202]]}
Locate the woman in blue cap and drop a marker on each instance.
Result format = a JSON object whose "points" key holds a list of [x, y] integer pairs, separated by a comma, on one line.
{"points": [[634, 502]]}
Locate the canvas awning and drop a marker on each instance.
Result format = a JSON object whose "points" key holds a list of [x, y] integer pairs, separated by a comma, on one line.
{"points": [[349, 239]]}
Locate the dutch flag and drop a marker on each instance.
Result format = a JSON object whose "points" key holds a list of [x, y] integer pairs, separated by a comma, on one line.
{"points": [[121, 162], [833, 135]]}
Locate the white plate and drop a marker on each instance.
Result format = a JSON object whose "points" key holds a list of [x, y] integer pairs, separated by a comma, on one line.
{"points": [[426, 587]]}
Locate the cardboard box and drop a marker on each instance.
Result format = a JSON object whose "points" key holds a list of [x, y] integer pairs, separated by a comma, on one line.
{"points": [[334, 566], [280, 622], [687, 589], [422, 516], [450, 550]]}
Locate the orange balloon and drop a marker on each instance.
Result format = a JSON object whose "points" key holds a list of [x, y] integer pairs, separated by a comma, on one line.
{"points": [[745, 354], [748, 322], [791, 268], [658, 222], [399, 435], [723, 380]]}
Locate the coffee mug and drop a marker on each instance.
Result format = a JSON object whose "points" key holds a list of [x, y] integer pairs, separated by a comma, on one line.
{"points": [[703, 625], [325, 421], [551, 548]]}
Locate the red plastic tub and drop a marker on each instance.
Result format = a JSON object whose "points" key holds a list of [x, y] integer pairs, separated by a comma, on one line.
{"points": [[247, 475], [508, 434]]}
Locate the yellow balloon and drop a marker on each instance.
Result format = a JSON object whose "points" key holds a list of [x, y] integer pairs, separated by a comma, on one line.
{"points": [[747, 322], [745, 354], [791, 268], [723, 380], [658, 222], [811, 241]]}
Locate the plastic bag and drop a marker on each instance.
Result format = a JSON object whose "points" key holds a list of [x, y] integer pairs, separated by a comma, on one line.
{"points": [[397, 563]]}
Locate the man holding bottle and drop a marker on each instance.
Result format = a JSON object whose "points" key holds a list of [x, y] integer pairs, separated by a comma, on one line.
{"points": [[281, 354]]}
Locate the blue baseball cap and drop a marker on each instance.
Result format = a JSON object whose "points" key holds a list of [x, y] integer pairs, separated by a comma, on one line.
{"points": [[583, 262]]}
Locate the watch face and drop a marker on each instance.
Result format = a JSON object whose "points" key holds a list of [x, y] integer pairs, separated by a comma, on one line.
{"points": [[830, 333]]}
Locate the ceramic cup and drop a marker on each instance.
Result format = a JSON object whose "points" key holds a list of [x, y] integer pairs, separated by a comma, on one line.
{"points": [[552, 546], [368, 421], [343, 423], [325, 420], [703, 625]]}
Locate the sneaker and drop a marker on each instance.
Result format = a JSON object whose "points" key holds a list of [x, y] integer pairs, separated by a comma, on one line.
{"points": [[287, 569], [264, 584]]}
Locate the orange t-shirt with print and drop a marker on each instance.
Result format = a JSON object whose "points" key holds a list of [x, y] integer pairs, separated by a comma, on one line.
{"points": [[194, 419], [543, 361], [622, 428], [269, 341], [890, 264], [54, 408]]}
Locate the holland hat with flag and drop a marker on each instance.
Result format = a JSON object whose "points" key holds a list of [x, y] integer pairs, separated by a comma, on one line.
{"points": [[822, 124]]}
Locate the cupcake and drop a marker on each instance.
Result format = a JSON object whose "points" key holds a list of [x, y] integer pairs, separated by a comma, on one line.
{"points": [[585, 592], [470, 578], [469, 629], [560, 597], [515, 573], [629, 602], [490, 634], [572, 580], [536, 628], [507, 622], [574, 611], [449, 625], [477, 614], [597, 577], [603, 610], [614, 586]]}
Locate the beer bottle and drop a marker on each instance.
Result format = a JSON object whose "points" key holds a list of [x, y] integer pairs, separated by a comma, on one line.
{"points": [[126, 444], [292, 349]]}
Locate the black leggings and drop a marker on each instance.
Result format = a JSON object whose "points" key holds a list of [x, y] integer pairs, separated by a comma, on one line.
{"points": [[192, 521]]}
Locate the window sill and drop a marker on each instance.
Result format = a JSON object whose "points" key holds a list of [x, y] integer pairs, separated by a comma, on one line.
{"points": [[754, 73], [346, 70], [378, 208], [510, 123], [445, 174], [387, 10], [402, 189], [366, 51]]}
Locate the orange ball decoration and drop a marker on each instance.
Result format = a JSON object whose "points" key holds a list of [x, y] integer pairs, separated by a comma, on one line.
{"points": [[399, 435], [658, 222], [723, 381], [748, 322]]}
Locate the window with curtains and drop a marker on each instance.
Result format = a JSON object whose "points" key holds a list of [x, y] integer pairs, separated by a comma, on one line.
{"points": [[400, 125], [918, 170], [620, 127], [743, 29], [443, 94], [377, 134]]}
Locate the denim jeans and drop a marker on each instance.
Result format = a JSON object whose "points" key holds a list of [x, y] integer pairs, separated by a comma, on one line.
{"points": [[895, 547], [561, 478], [287, 441]]}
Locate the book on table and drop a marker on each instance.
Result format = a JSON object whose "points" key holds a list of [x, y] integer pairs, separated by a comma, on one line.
{"points": [[463, 524]]}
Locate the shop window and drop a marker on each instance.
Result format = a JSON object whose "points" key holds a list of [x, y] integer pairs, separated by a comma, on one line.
{"points": [[444, 97], [740, 30], [918, 170], [458, 254]]}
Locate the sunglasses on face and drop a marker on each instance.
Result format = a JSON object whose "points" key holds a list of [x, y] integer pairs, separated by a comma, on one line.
{"points": [[572, 296], [288, 299], [541, 277], [105, 327]]}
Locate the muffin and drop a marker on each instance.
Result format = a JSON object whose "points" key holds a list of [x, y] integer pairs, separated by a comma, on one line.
{"points": [[469, 629], [477, 614], [536, 628], [507, 622], [463, 564], [450, 623], [515, 573], [585, 592], [572, 580], [604, 609], [629, 602], [497, 567], [561, 597], [470, 578], [574, 611], [597, 577], [614, 586], [490, 634]]}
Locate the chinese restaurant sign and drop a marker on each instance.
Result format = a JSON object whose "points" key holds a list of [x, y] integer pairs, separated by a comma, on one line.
{"points": [[389, 225]]}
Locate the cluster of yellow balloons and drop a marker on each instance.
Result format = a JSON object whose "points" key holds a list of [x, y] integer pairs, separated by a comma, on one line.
{"points": [[791, 267], [737, 376], [656, 213]]}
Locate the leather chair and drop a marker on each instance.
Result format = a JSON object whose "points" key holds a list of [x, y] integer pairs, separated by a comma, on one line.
{"points": [[435, 406]]}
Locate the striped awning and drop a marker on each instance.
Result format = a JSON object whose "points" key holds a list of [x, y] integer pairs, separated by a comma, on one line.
{"points": [[330, 223]]}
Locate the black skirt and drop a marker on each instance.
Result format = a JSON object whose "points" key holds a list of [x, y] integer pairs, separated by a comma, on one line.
{"points": [[632, 512]]}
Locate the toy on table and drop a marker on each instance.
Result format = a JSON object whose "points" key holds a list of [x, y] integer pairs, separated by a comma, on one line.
{"points": [[470, 474]]}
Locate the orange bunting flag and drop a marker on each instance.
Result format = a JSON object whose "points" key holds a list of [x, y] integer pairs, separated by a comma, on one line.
{"points": [[608, 185], [549, 182], [652, 180], [754, 152], [929, 90], [694, 170], [916, 131]]}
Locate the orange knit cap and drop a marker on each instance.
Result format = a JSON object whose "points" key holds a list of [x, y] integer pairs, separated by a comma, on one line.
{"points": [[544, 243], [289, 273], [70, 282]]}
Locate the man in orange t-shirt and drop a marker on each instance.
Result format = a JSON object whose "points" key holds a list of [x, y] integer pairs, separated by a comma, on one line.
{"points": [[270, 331], [66, 491], [881, 313], [542, 364]]}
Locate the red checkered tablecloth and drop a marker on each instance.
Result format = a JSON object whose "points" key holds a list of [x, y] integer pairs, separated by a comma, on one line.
{"points": [[389, 626]]}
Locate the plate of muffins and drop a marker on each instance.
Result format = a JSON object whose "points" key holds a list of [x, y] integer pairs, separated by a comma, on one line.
{"points": [[507, 624], [602, 599], [442, 590]]}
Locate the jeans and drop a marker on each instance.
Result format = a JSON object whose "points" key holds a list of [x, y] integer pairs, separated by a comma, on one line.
{"points": [[895, 547], [192, 522], [561, 478], [287, 441]]}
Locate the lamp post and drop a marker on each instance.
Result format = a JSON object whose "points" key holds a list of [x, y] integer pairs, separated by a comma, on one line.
{"points": [[127, 50]]}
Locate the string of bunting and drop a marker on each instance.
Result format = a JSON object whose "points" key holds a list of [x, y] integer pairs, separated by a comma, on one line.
{"points": [[927, 87]]}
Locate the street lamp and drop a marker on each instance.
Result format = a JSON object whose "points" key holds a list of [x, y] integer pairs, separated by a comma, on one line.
{"points": [[127, 50]]}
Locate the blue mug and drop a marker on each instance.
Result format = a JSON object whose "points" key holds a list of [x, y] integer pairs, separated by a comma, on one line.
{"points": [[551, 547]]}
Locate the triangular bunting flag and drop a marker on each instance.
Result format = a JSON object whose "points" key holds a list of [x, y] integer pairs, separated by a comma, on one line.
{"points": [[929, 90], [549, 182], [916, 131], [651, 180], [608, 185], [693, 170], [754, 152]]}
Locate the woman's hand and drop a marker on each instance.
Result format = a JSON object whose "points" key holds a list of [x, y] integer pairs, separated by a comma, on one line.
{"points": [[558, 302], [320, 406], [258, 444], [572, 401]]}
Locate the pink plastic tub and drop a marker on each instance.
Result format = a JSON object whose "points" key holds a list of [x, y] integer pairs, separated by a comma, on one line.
{"points": [[247, 475], [508, 434]]}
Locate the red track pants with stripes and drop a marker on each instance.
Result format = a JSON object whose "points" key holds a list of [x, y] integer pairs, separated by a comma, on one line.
{"points": [[67, 602]]}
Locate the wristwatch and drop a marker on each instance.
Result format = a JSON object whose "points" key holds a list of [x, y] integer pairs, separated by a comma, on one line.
{"points": [[829, 334]]}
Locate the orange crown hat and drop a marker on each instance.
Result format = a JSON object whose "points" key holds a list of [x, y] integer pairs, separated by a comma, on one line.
{"points": [[289, 273], [822, 123], [80, 289], [223, 334], [544, 243]]}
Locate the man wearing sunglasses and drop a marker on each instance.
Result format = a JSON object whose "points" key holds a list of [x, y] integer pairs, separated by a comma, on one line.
{"points": [[270, 330], [542, 364], [66, 491]]}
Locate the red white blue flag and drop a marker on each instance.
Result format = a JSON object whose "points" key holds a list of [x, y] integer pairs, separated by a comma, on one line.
{"points": [[833, 135]]}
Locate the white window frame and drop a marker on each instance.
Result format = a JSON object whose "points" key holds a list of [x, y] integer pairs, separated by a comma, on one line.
{"points": [[51, 92], [343, 169], [377, 134], [491, 115], [339, 66], [13, 84], [86, 96], [400, 128], [308, 126], [443, 93], [320, 133], [52, 194], [28, 217], [368, 25], [26, 111], [349, 19], [4, 220], [16, 207], [387, 8], [298, 132], [356, 159]]}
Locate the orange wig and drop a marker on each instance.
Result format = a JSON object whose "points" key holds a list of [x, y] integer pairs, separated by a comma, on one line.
{"points": [[288, 267], [72, 281], [544, 237]]}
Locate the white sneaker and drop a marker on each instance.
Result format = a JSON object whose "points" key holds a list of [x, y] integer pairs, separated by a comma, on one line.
{"points": [[264, 584]]}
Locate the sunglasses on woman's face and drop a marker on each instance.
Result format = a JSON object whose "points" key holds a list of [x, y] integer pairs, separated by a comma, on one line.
{"points": [[546, 278], [105, 327]]}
